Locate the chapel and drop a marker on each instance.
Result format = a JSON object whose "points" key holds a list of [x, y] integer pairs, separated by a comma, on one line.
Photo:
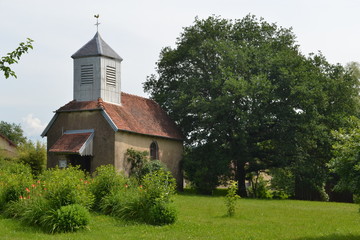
{"points": [[102, 122]]}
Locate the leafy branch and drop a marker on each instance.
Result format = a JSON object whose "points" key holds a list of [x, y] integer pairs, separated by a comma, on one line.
{"points": [[13, 57]]}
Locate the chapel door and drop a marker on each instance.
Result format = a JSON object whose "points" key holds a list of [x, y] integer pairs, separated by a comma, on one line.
{"points": [[83, 161]]}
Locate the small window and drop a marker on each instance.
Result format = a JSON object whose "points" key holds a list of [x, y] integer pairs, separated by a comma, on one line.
{"points": [[87, 74], [110, 75], [154, 151]]}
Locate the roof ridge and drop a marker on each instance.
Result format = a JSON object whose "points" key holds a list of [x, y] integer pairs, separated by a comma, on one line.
{"points": [[134, 95]]}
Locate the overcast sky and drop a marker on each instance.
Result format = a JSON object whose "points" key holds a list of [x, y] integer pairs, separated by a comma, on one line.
{"points": [[137, 30]]}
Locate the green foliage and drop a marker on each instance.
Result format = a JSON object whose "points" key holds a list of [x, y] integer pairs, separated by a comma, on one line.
{"points": [[282, 182], [68, 218], [346, 160], [67, 186], [13, 132], [158, 186], [205, 168], [137, 160], [56, 202], [14, 180], [33, 155], [259, 188], [231, 197], [152, 166], [106, 179], [124, 204], [161, 213], [29, 209], [13, 57], [149, 203], [244, 86]]}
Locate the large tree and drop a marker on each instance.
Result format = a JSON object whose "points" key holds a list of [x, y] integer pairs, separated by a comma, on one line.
{"points": [[244, 88]]}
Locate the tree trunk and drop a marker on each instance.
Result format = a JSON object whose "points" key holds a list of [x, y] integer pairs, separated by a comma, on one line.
{"points": [[240, 177]]}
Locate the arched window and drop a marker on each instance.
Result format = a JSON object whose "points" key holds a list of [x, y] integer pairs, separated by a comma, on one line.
{"points": [[154, 151]]}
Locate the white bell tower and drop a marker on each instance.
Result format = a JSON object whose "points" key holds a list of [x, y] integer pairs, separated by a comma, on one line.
{"points": [[97, 72]]}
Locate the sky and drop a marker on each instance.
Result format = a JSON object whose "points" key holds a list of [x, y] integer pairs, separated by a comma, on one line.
{"points": [[137, 30]]}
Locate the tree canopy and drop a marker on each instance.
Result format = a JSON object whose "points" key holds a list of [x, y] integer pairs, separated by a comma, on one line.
{"points": [[346, 161], [14, 57], [244, 88], [13, 132]]}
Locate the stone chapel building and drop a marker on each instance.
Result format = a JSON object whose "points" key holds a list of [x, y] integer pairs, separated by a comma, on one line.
{"points": [[101, 123]]}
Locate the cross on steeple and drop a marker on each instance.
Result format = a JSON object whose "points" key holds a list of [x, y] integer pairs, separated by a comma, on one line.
{"points": [[97, 22]]}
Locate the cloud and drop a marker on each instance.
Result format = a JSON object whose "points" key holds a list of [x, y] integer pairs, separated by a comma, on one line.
{"points": [[32, 126]]}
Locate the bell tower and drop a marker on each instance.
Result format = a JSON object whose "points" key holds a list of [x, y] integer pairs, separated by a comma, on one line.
{"points": [[97, 72]]}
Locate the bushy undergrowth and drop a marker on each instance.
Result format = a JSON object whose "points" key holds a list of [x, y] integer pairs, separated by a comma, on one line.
{"points": [[67, 218], [43, 202], [14, 180], [106, 179], [67, 186], [59, 200], [150, 202]]}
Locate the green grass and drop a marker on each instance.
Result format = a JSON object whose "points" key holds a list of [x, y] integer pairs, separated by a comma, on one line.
{"points": [[203, 218]]}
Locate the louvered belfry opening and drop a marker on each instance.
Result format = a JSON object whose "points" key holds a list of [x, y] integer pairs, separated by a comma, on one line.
{"points": [[87, 74], [111, 75]]}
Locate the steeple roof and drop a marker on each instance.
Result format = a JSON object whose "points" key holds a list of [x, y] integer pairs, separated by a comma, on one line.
{"points": [[96, 47]]}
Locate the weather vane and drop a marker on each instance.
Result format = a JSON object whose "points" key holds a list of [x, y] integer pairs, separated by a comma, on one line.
{"points": [[97, 22]]}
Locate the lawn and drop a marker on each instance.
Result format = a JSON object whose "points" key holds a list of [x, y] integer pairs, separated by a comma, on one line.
{"points": [[203, 218]]}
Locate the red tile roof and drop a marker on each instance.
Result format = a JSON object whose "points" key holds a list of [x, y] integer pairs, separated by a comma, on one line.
{"points": [[70, 143], [135, 114]]}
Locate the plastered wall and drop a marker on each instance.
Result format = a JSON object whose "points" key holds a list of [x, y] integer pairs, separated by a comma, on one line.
{"points": [[170, 152]]}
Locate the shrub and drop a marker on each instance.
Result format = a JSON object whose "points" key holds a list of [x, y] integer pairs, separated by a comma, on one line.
{"points": [[158, 185], [152, 166], [137, 160], [279, 194], [161, 213], [30, 210], [67, 186], [231, 197], [282, 181], [259, 188], [106, 179], [14, 179], [33, 155], [68, 218], [149, 203], [124, 204]]}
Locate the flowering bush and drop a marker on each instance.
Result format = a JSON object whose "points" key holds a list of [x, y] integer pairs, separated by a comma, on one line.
{"points": [[67, 186], [44, 202], [59, 200], [14, 178]]}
